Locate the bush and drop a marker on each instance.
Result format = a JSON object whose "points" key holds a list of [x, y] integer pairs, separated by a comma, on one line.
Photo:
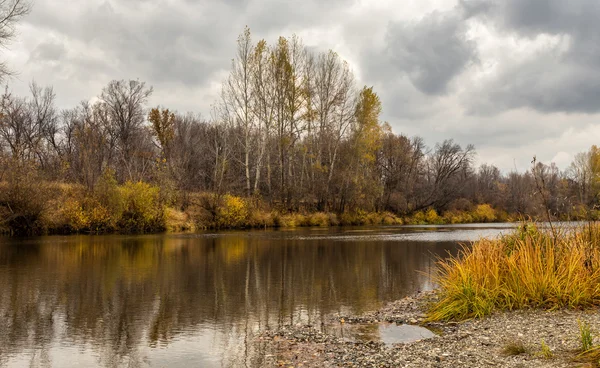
{"points": [[318, 219], [142, 211], [485, 213], [432, 217], [24, 199], [232, 212], [81, 212], [177, 221]]}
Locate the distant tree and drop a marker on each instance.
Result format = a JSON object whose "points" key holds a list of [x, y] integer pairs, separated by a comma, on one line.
{"points": [[124, 103], [26, 123], [448, 167], [163, 128]]}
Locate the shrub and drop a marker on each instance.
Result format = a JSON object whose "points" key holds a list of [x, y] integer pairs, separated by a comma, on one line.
{"points": [[232, 212], [418, 218], [318, 219], [485, 213], [176, 221], [432, 217], [391, 219], [261, 219], [142, 211], [24, 199]]}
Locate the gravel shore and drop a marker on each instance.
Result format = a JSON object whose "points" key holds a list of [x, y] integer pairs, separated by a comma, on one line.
{"points": [[475, 343]]}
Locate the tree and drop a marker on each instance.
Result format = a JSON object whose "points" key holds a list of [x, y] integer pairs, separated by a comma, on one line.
{"points": [[362, 186], [331, 102], [447, 168], [86, 147], [11, 12], [123, 103], [25, 124], [163, 128], [400, 162], [238, 96]]}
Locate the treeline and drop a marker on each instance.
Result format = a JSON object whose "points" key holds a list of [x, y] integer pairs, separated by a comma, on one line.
{"points": [[291, 133]]}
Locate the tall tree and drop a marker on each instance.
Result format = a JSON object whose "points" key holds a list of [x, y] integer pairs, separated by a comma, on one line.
{"points": [[238, 95], [124, 103]]}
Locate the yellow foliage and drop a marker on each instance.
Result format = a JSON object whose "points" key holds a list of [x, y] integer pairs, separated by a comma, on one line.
{"points": [[87, 215], [232, 212], [529, 268], [485, 213], [432, 217], [141, 208], [318, 219], [177, 221]]}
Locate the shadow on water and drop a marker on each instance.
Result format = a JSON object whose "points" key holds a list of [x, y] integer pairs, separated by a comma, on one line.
{"points": [[193, 300]]}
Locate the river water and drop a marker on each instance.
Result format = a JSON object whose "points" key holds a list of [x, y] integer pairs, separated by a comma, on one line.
{"points": [[197, 300]]}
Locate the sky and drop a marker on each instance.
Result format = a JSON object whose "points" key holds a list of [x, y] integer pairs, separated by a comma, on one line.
{"points": [[516, 78]]}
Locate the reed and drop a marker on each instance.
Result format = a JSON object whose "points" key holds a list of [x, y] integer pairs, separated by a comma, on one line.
{"points": [[528, 268]]}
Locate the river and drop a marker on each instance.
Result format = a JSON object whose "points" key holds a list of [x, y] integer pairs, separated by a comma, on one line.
{"points": [[197, 300]]}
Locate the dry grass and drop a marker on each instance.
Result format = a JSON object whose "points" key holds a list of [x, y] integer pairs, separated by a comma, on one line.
{"points": [[516, 347], [529, 268], [178, 221]]}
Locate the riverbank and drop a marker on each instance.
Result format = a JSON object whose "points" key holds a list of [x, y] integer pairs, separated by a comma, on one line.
{"points": [[503, 339], [138, 207]]}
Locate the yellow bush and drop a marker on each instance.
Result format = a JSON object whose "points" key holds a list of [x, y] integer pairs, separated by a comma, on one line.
{"points": [[87, 215], [432, 217], [485, 213], [318, 219], [141, 208], [260, 218], [232, 212], [75, 216], [391, 219], [418, 218], [458, 217]]}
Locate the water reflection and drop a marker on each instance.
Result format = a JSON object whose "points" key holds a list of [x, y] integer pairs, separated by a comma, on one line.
{"points": [[189, 300]]}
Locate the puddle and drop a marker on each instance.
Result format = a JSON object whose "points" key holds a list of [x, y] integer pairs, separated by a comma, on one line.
{"points": [[388, 333], [401, 334]]}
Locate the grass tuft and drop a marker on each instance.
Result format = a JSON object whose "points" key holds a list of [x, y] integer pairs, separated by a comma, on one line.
{"points": [[528, 268], [545, 351], [585, 336], [516, 347]]}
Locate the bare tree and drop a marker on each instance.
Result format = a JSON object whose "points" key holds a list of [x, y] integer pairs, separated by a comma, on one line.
{"points": [[11, 12], [25, 124], [237, 98], [124, 105]]}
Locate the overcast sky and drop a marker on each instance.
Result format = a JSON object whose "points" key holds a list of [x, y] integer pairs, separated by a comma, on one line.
{"points": [[516, 78]]}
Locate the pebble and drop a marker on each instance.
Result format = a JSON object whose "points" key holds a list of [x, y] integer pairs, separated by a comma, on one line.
{"points": [[474, 343]]}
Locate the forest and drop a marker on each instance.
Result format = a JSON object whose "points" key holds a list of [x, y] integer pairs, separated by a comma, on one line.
{"points": [[292, 140]]}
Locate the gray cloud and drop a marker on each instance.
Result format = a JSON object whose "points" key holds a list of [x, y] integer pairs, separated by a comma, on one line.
{"points": [[432, 51], [48, 51], [563, 77], [433, 63]]}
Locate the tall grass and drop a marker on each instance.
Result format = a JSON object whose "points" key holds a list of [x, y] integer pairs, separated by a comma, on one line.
{"points": [[529, 268]]}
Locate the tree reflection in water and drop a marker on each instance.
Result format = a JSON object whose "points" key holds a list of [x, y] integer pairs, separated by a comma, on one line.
{"points": [[188, 299]]}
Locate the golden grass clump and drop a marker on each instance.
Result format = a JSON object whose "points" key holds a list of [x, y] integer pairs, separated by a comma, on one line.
{"points": [[529, 268]]}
